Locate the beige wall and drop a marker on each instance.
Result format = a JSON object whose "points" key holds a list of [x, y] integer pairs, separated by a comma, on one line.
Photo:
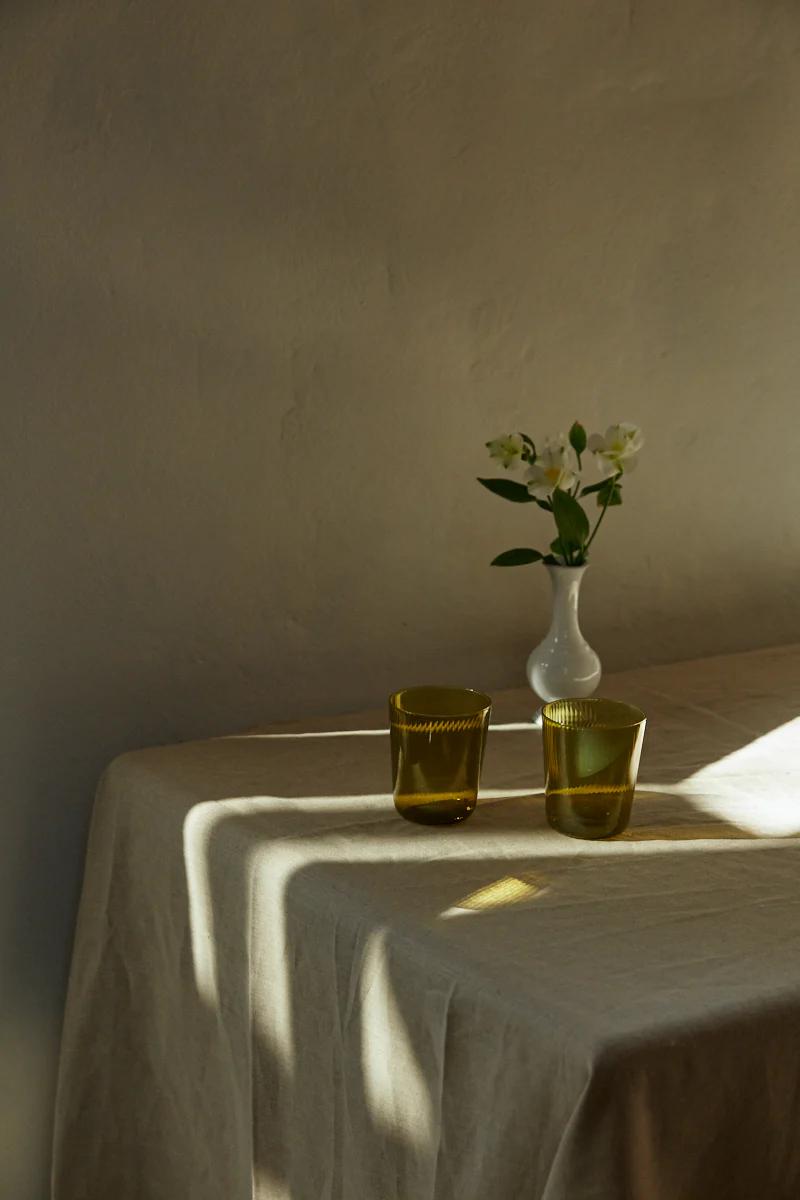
{"points": [[270, 275]]}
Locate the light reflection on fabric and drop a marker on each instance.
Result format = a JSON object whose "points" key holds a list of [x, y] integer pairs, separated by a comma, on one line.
{"points": [[500, 893], [396, 1091]]}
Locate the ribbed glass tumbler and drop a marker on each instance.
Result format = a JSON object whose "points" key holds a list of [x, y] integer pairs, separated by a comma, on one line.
{"points": [[438, 736], [591, 759]]}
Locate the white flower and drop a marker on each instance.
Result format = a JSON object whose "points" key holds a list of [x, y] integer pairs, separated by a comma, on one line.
{"points": [[507, 450], [555, 467], [618, 450]]}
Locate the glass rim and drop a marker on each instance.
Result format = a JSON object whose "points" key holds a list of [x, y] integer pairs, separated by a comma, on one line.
{"points": [[634, 715], [480, 701]]}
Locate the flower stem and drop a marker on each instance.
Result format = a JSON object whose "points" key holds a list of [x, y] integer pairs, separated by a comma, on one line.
{"points": [[602, 514], [566, 555]]}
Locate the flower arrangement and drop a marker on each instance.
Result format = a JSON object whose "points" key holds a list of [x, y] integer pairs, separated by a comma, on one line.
{"points": [[553, 481]]}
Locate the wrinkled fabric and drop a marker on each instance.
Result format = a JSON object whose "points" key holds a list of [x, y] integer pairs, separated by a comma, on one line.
{"points": [[281, 990]]}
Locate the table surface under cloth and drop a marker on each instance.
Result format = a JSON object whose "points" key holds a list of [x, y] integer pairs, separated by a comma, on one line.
{"points": [[281, 990]]}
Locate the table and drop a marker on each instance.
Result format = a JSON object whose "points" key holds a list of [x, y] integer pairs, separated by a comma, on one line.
{"points": [[281, 990]]}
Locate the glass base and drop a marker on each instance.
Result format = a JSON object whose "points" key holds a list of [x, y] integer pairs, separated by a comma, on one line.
{"points": [[588, 815], [445, 810]]}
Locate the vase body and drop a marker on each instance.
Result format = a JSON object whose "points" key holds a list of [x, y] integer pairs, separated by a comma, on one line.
{"points": [[564, 664]]}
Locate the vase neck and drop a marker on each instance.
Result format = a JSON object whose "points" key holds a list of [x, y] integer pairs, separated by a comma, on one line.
{"points": [[566, 585]]}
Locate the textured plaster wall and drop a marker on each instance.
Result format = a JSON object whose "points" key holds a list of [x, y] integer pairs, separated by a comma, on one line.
{"points": [[270, 275]]}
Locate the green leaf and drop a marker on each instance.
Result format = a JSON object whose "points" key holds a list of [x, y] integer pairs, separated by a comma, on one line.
{"points": [[516, 558], [609, 494], [550, 560], [594, 487], [508, 489], [577, 438], [545, 504], [571, 520], [558, 547]]}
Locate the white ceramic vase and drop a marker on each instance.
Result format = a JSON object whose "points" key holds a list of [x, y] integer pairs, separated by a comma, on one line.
{"points": [[564, 664]]}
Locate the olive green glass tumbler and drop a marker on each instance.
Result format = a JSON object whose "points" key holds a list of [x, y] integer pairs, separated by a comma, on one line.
{"points": [[438, 737], [591, 760]]}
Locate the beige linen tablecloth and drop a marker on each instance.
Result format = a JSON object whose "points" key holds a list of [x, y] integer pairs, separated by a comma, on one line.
{"points": [[279, 989]]}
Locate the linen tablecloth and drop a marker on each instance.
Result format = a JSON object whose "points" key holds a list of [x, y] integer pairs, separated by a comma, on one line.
{"points": [[281, 990]]}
